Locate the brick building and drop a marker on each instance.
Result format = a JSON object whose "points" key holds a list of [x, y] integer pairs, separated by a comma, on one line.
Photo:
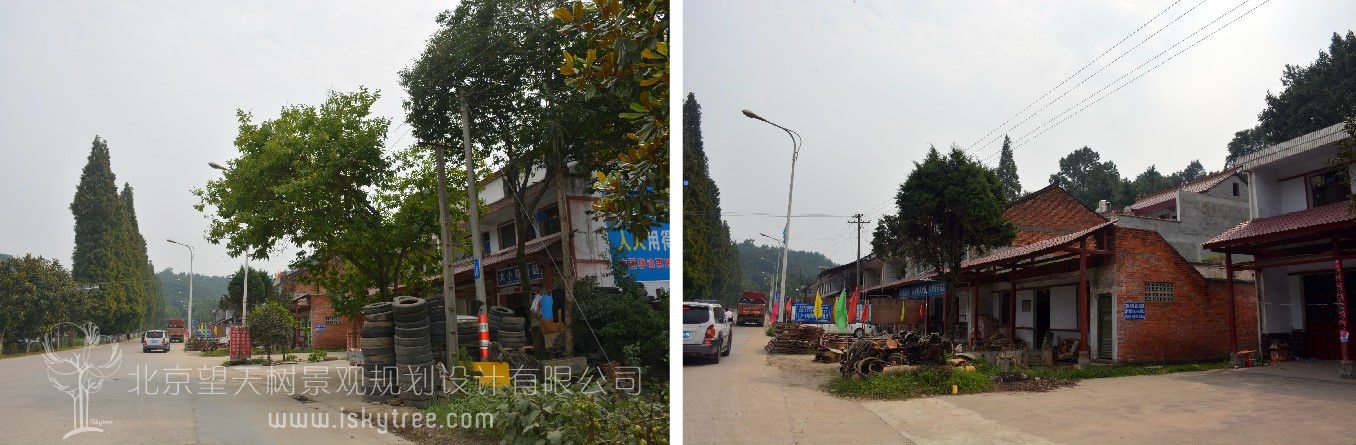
{"points": [[1125, 293], [317, 324]]}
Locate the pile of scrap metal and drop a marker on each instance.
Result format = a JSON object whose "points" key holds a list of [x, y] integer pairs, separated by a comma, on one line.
{"points": [[1001, 342], [794, 339], [1067, 350], [870, 356], [831, 347]]}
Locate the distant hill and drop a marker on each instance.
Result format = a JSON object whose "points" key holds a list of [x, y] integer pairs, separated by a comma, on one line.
{"points": [[5, 257], [207, 289], [758, 261]]}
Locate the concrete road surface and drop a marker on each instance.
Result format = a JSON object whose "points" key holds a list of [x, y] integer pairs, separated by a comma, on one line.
{"points": [[753, 398], [33, 410]]}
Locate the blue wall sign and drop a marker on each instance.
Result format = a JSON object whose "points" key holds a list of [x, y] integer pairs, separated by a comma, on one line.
{"points": [[475, 268], [1134, 310], [320, 328], [805, 313], [922, 290], [647, 258], [509, 276]]}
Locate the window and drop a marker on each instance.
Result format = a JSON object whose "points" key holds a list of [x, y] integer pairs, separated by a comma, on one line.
{"points": [[507, 236], [486, 237], [1235, 189], [332, 320], [1326, 188], [549, 219], [695, 314], [1158, 292]]}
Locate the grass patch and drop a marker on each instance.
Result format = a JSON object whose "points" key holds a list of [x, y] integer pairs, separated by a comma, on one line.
{"points": [[769, 329], [216, 353], [1097, 372], [928, 380]]}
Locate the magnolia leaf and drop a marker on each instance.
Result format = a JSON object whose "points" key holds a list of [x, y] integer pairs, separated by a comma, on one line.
{"points": [[563, 14]]}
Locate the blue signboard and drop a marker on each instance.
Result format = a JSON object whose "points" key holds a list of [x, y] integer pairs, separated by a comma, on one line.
{"points": [[647, 258], [476, 275], [1134, 310], [320, 328], [805, 313], [509, 276], [921, 290]]}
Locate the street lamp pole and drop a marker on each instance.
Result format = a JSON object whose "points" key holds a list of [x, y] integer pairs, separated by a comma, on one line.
{"points": [[776, 268], [796, 142], [190, 283], [245, 279]]}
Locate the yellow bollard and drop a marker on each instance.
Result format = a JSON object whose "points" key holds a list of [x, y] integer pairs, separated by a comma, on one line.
{"points": [[955, 389]]}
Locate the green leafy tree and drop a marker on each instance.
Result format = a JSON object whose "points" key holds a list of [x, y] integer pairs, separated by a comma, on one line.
{"points": [[317, 177], [1314, 97], [1086, 177], [1193, 171], [36, 293], [104, 253], [261, 290], [948, 206], [1346, 158], [271, 326], [627, 55], [1007, 172], [153, 301]]}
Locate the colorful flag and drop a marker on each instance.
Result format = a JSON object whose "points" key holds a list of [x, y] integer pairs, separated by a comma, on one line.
{"points": [[789, 315], [852, 307], [819, 306], [840, 310]]}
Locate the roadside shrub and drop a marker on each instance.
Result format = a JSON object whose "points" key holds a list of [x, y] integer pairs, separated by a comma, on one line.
{"points": [[618, 321], [929, 380], [566, 415], [317, 356]]}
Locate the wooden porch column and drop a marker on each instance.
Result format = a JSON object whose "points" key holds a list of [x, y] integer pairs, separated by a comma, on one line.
{"points": [[1012, 305], [1233, 317], [974, 312], [1347, 370], [1083, 355]]}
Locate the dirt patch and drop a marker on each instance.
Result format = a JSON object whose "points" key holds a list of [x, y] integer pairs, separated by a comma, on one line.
{"points": [[802, 370], [1018, 382]]}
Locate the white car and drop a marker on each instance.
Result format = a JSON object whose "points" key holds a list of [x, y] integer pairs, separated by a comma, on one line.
{"points": [[706, 333], [153, 340], [855, 329]]}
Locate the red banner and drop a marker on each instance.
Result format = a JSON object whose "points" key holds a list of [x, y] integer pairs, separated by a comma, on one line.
{"points": [[240, 343]]}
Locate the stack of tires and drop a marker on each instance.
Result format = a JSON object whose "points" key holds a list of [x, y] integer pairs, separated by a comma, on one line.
{"points": [[468, 337], [413, 352], [379, 360], [510, 331], [437, 328]]}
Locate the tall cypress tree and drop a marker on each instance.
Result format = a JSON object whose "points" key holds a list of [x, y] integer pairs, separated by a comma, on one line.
{"points": [[1007, 173], [710, 260], [153, 302], [102, 239]]}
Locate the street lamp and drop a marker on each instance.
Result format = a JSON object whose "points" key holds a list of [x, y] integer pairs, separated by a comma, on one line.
{"points": [[775, 266], [190, 283], [796, 142], [244, 280]]}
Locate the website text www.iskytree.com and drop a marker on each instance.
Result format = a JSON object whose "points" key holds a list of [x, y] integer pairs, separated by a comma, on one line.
{"points": [[383, 421]]}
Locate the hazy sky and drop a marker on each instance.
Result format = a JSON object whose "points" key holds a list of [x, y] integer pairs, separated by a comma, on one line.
{"points": [[870, 84], [161, 81]]}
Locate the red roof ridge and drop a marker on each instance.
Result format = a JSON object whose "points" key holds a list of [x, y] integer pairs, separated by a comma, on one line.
{"points": [[1212, 179]]}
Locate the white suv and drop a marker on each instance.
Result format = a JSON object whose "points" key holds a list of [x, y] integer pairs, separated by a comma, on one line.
{"points": [[706, 332], [155, 340]]}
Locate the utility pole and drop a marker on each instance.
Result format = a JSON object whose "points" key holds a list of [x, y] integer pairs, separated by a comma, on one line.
{"points": [[859, 223], [445, 247], [477, 249]]}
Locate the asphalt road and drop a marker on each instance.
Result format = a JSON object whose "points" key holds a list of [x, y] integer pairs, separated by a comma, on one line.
{"points": [[751, 397], [35, 411]]}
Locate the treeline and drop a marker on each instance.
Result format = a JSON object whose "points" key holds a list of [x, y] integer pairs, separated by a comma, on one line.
{"points": [[761, 261], [207, 289], [711, 263]]}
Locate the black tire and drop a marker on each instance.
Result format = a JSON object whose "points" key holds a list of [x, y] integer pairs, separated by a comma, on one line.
{"points": [[729, 345], [375, 308], [412, 333], [411, 316], [407, 305], [422, 359], [513, 321], [437, 326], [374, 342], [437, 315], [385, 350], [413, 324], [715, 359], [410, 342], [501, 311], [382, 359], [380, 316], [377, 331], [858, 333], [412, 350]]}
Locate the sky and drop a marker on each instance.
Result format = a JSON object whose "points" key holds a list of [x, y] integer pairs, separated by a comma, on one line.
{"points": [[161, 82], [871, 85]]}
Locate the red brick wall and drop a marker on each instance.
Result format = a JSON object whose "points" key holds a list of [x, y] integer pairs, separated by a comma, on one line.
{"points": [[335, 335], [1048, 213], [1193, 327]]}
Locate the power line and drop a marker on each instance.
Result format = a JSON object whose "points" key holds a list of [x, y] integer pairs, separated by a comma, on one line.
{"points": [[1071, 76], [1207, 36]]}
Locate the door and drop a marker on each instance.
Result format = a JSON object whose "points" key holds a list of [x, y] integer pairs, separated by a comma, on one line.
{"points": [[1320, 315], [1104, 314], [1042, 317]]}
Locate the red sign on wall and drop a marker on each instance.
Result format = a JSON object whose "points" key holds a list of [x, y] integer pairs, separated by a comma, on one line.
{"points": [[240, 343]]}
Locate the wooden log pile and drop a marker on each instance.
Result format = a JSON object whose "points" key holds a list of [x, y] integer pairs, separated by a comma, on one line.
{"points": [[794, 339]]}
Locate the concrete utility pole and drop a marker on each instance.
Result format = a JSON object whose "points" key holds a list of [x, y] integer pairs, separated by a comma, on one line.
{"points": [[190, 284], [859, 223], [796, 142], [445, 247], [477, 249]]}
